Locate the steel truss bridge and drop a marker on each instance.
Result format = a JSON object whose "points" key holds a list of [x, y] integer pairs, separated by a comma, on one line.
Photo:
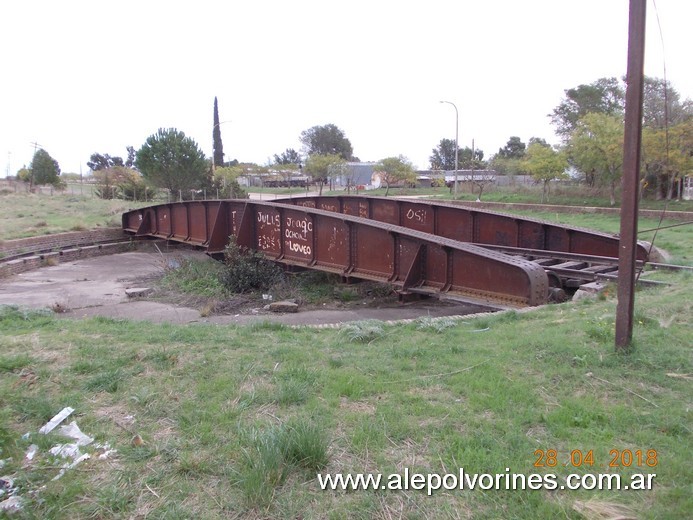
{"points": [[418, 246]]}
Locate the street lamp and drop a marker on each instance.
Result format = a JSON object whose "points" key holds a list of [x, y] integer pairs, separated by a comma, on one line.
{"points": [[457, 129]]}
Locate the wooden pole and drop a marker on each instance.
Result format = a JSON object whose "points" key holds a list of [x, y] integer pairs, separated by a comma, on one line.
{"points": [[631, 175]]}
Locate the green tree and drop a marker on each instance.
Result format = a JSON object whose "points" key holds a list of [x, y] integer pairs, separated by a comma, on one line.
{"points": [[604, 96], [327, 140], [226, 181], [319, 167], [218, 153], [506, 166], [662, 105], [469, 159], [596, 148], [44, 169], [395, 169], [538, 140], [133, 187], [121, 182], [443, 156], [24, 174], [108, 180], [99, 161], [513, 149], [545, 164], [130, 161], [667, 157], [288, 156], [168, 159]]}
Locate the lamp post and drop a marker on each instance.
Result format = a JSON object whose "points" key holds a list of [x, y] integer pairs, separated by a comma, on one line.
{"points": [[457, 129]]}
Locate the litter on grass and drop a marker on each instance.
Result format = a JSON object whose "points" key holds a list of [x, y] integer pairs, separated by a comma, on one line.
{"points": [[71, 452]]}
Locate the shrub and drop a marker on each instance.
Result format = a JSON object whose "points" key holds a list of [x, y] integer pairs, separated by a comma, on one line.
{"points": [[134, 188], [247, 270]]}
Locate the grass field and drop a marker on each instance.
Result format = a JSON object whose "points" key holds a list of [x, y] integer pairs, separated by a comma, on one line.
{"points": [[527, 194], [235, 422], [676, 241], [26, 215]]}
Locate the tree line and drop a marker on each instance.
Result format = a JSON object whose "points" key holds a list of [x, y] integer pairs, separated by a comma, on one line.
{"points": [[588, 121]]}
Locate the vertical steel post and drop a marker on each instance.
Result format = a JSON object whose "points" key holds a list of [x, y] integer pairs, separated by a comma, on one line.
{"points": [[631, 174]]}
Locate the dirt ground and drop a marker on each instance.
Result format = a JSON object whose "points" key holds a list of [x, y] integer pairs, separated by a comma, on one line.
{"points": [[97, 287]]}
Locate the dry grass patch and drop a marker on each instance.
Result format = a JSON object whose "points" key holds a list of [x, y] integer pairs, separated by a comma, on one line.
{"points": [[360, 407], [602, 510]]}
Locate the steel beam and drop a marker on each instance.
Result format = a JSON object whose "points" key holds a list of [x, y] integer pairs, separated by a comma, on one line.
{"points": [[352, 246], [468, 224]]}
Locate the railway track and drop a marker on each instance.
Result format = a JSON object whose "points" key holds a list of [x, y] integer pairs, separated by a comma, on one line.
{"points": [[43, 251]]}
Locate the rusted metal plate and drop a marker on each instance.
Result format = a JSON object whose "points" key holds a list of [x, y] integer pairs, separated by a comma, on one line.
{"points": [[468, 224], [298, 236], [333, 244], [333, 240], [268, 234]]}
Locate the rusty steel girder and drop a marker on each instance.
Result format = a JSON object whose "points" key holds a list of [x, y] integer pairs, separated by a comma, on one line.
{"points": [[349, 245], [468, 224]]}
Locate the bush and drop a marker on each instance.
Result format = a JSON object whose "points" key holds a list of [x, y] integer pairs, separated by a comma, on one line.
{"points": [[198, 277], [247, 270], [232, 190], [135, 188]]}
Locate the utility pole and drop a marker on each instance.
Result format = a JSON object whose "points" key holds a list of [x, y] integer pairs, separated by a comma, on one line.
{"points": [[631, 173], [472, 179]]}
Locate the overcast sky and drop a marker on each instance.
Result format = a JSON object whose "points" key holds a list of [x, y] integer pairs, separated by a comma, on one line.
{"points": [[96, 76]]}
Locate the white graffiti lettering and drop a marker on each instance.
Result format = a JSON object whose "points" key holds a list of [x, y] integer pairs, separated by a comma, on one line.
{"points": [[266, 242], [302, 224], [299, 248], [265, 218], [296, 235], [419, 215]]}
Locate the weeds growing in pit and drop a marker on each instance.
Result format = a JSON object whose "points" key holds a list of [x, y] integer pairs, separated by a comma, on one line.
{"points": [[195, 276], [247, 270]]}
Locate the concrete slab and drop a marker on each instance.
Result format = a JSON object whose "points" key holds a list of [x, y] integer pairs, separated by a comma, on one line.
{"points": [[97, 287], [93, 282]]}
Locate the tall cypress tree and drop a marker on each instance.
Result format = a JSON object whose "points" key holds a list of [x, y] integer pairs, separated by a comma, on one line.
{"points": [[216, 137]]}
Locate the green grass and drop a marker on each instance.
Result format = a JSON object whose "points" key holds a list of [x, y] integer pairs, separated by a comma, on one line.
{"points": [[236, 421], [567, 195], [26, 215], [677, 241], [278, 191], [195, 276]]}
